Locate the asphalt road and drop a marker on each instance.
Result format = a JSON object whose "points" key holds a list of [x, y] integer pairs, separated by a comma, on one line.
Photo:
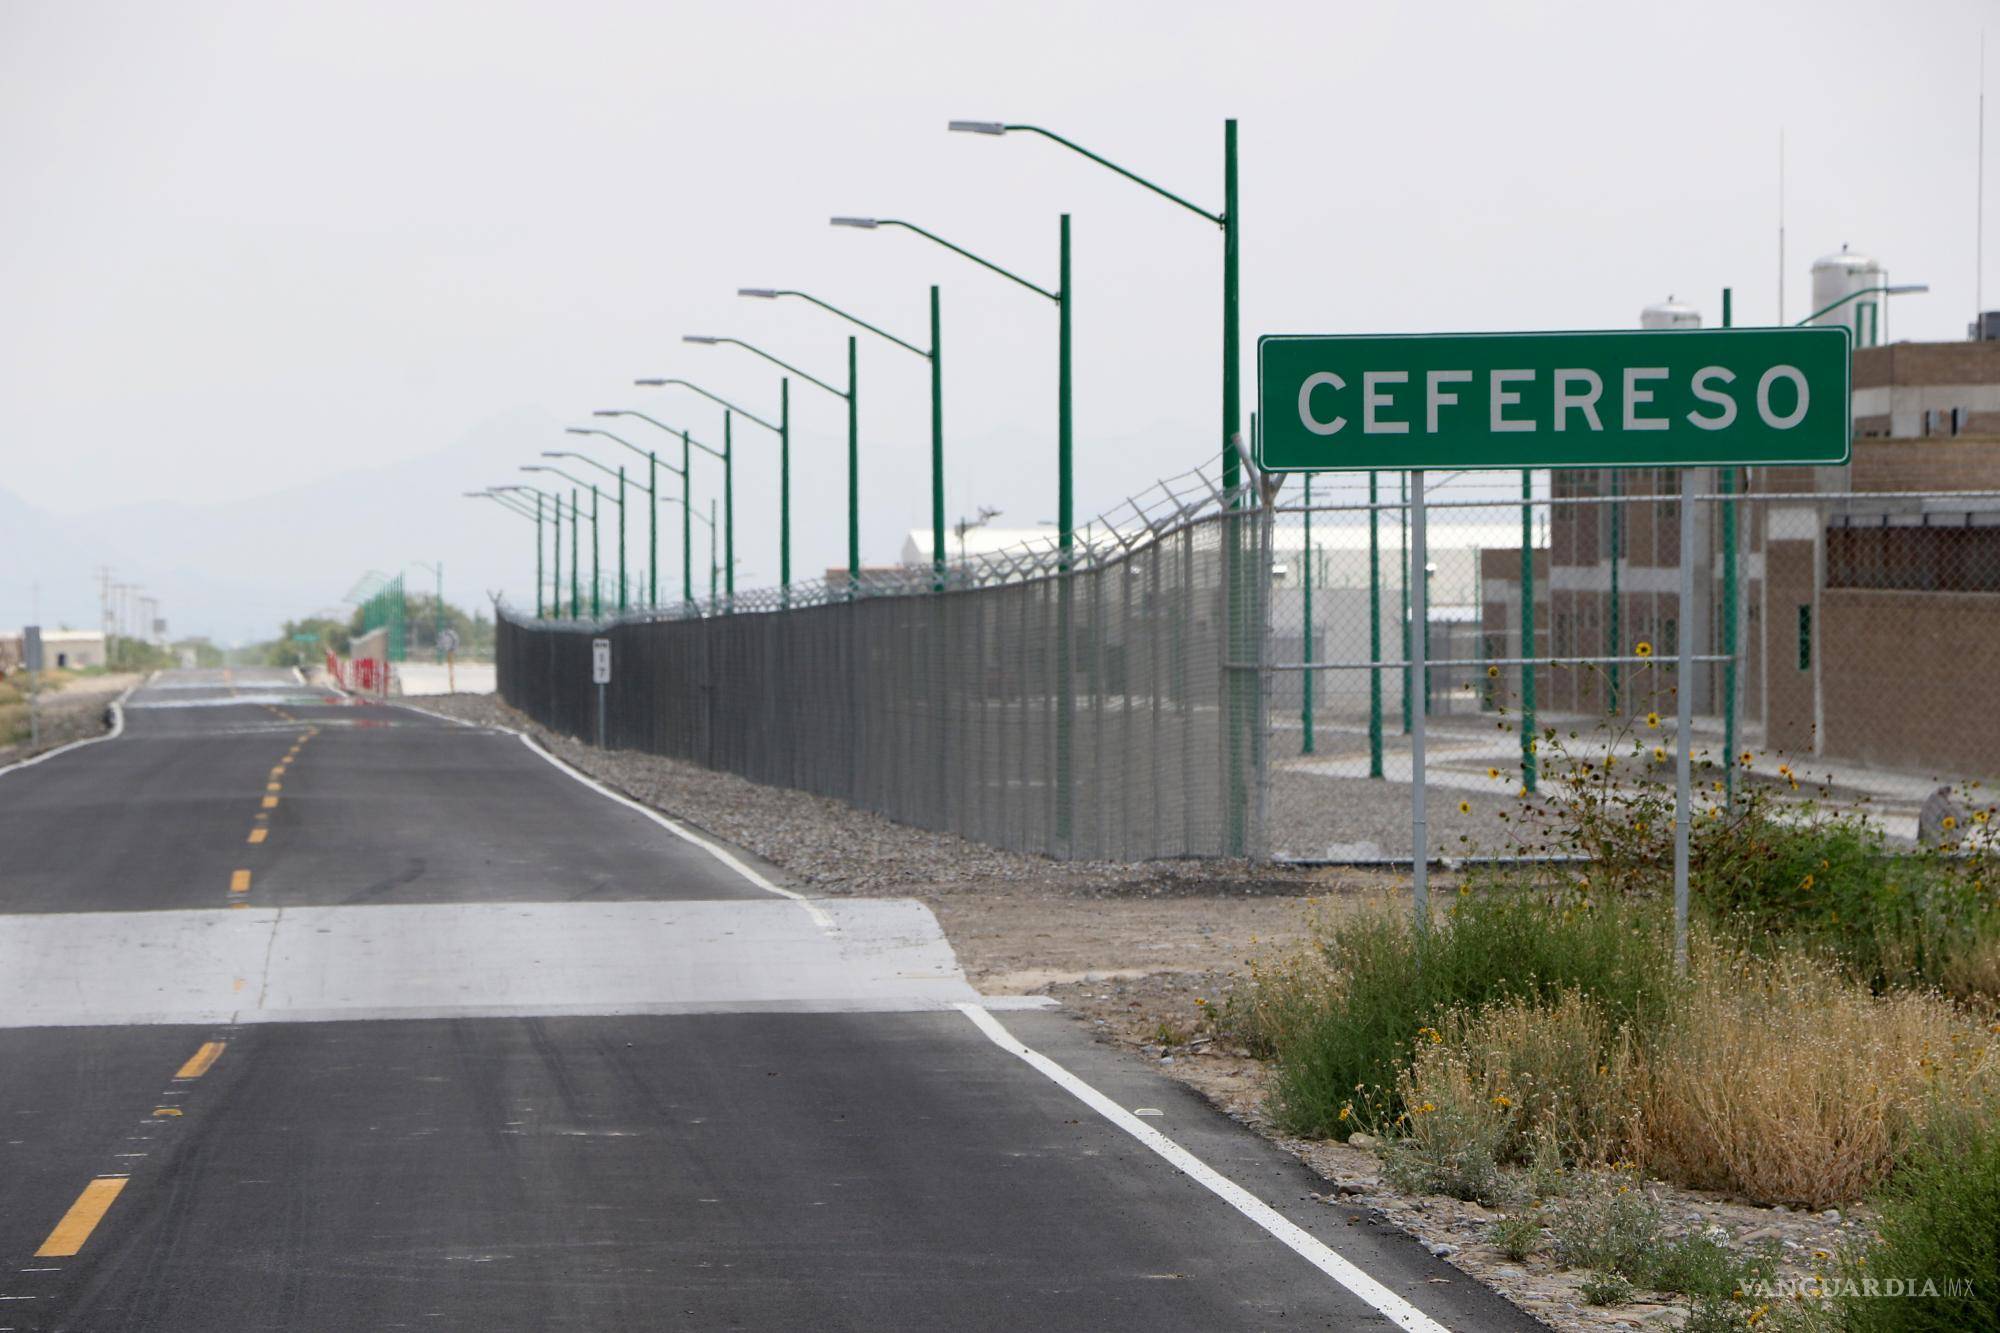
{"points": [[333, 1016]]}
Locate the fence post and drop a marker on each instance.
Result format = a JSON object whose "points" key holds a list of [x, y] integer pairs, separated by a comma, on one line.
{"points": [[1528, 630], [1418, 590], [1374, 631]]}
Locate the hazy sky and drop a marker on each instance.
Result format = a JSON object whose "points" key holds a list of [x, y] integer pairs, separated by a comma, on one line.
{"points": [[251, 245]]}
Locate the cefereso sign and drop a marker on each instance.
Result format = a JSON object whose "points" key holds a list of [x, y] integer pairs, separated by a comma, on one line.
{"points": [[1609, 399]]}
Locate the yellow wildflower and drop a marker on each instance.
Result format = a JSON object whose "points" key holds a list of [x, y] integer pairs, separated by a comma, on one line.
{"points": [[1653, 721], [1642, 649]]}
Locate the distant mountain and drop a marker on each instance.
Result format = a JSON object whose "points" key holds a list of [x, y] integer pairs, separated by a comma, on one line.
{"points": [[235, 571]]}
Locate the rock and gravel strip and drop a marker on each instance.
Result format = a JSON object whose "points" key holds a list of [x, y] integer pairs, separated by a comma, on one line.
{"points": [[1159, 1016], [76, 712]]}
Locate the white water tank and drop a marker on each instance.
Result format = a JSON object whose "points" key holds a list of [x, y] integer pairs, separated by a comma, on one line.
{"points": [[1669, 314], [1838, 277]]}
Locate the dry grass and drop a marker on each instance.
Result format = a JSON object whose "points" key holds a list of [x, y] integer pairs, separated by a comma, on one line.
{"points": [[1557, 1073], [1780, 1081]]}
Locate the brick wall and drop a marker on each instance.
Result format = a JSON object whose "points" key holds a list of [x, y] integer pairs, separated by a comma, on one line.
{"points": [[1908, 679]]}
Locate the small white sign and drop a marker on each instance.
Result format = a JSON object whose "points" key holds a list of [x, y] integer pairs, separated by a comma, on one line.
{"points": [[448, 641], [600, 661]]}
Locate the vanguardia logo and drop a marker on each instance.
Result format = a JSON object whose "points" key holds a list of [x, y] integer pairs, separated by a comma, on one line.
{"points": [[1819, 1288]]}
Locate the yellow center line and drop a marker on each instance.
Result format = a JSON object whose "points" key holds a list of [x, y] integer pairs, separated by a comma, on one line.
{"points": [[270, 802], [258, 835], [82, 1218], [239, 881], [202, 1060], [166, 1110]]}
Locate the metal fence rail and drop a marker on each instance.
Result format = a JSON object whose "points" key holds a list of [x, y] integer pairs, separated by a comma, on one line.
{"points": [[1083, 714]]}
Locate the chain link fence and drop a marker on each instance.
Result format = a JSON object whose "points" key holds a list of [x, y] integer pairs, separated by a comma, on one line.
{"points": [[1083, 714], [1196, 678], [1837, 635]]}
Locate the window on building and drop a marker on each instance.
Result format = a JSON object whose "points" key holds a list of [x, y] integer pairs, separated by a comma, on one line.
{"points": [[1954, 558]]}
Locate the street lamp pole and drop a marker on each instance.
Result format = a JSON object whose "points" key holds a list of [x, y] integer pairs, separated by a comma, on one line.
{"points": [[783, 430], [652, 489], [852, 396], [1227, 220], [687, 482], [618, 473], [1061, 297], [1893, 289], [512, 505], [1243, 705], [596, 599]]}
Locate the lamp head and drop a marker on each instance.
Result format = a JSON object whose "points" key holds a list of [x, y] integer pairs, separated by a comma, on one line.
{"points": [[649, 384], [701, 338], [1906, 288], [978, 127], [761, 293], [578, 430], [608, 412], [866, 223]]}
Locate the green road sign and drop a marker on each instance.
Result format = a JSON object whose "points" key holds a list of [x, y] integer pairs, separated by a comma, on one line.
{"points": [[1613, 398], [307, 639]]}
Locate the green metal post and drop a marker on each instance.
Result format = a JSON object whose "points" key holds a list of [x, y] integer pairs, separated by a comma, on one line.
{"points": [[1232, 360], [1065, 516], [687, 525], [853, 471], [1613, 629], [1404, 481], [538, 555], [728, 509], [653, 539], [622, 603], [1306, 710], [1066, 529], [1374, 631], [712, 566], [555, 584], [785, 488], [937, 448], [575, 554], [1730, 603], [1528, 765], [596, 562]]}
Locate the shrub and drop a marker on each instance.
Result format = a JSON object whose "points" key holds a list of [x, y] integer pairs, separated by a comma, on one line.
{"points": [[1609, 1225], [1786, 1083], [1517, 1236], [1555, 1076], [1605, 1289], [1453, 1139], [1347, 1032], [1940, 1220]]}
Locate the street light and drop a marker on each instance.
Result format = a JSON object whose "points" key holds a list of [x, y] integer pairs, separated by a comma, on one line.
{"points": [[596, 604], [555, 499], [852, 397], [1232, 361], [652, 492], [1061, 296], [935, 357], [687, 486], [1893, 289], [514, 506], [709, 521], [783, 430], [620, 475]]}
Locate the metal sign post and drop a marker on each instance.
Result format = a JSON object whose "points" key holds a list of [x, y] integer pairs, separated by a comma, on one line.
{"points": [[31, 658], [600, 675], [1611, 399], [447, 642], [1418, 633]]}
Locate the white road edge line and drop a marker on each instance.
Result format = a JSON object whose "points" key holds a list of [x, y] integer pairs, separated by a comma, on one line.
{"points": [[1302, 1242], [117, 730], [716, 850]]}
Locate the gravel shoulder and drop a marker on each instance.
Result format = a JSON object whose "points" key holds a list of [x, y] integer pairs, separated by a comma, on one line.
{"points": [[75, 712]]}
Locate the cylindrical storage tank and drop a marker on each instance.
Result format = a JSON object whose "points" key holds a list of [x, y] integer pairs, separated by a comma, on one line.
{"points": [[1836, 279], [1669, 314]]}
